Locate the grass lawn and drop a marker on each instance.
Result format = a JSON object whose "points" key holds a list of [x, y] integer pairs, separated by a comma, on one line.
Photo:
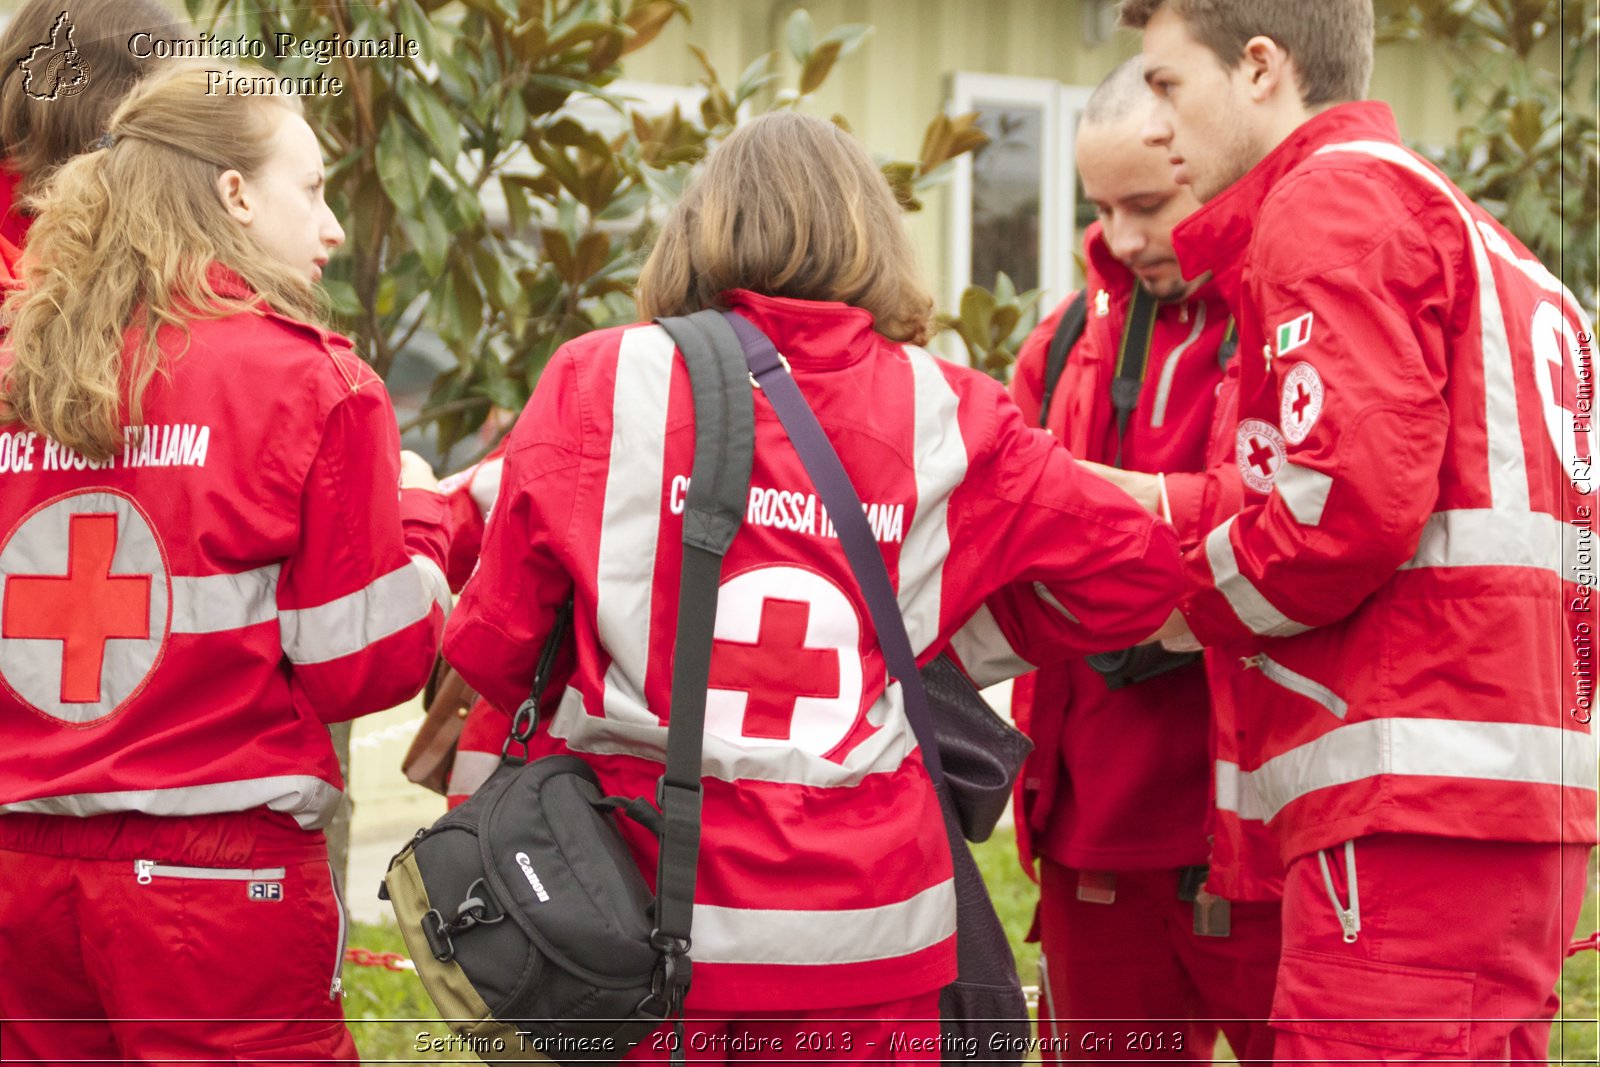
{"points": [[388, 1010]]}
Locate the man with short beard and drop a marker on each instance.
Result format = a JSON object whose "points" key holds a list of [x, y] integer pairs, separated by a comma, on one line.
{"points": [[1395, 585], [1117, 797]]}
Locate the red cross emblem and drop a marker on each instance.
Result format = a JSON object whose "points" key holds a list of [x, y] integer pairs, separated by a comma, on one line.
{"points": [[785, 663], [1561, 368], [1260, 450], [1261, 456], [1565, 391], [83, 609], [776, 670], [1300, 405]]}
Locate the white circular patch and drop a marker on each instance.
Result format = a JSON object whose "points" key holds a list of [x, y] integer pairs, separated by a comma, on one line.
{"points": [[1301, 402], [85, 606], [785, 661], [1259, 450], [1561, 370]]}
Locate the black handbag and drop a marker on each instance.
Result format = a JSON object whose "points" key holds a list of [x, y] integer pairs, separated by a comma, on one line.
{"points": [[531, 927]]}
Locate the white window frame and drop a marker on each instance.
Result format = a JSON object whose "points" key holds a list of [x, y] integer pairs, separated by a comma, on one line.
{"points": [[1060, 107]]}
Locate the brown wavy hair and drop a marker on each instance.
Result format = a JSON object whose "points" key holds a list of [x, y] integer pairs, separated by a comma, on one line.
{"points": [[792, 206], [125, 238]]}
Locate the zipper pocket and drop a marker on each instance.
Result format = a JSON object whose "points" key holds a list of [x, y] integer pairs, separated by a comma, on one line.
{"points": [[336, 987], [147, 871], [1297, 683]]}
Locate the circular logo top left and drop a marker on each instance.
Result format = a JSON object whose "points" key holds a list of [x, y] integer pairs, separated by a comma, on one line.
{"points": [[85, 605]]}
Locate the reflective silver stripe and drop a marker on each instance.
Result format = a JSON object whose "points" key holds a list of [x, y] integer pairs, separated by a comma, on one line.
{"points": [[823, 937], [1236, 791], [1296, 682], [223, 874], [1478, 537], [361, 619], [984, 651], [630, 523], [940, 462], [728, 760], [470, 770], [1508, 473], [1304, 490], [219, 602], [1444, 748], [1043, 592], [309, 799], [434, 583], [1253, 609], [1169, 369]]}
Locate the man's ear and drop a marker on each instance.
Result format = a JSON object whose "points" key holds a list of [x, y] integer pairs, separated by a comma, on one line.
{"points": [[235, 196], [1268, 68]]}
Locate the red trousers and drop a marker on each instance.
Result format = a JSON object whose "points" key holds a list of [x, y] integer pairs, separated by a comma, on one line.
{"points": [[901, 1031], [1459, 947], [138, 938], [1132, 981]]}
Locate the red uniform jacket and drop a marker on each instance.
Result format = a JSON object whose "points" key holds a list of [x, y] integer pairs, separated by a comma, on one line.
{"points": [[1119, 780], [181, 621], [824, 869], [1414, 438]]}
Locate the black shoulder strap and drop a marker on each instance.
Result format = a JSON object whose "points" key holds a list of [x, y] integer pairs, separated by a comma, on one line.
{"points": [[1137, 332], [1229, 345], [719, 487], [1068, 330]]}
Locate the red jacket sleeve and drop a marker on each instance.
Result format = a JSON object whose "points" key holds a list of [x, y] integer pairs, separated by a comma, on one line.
{"points": [[493, 639], [1203, 500], [1088, 570], [362, 599], [1349, 498]]}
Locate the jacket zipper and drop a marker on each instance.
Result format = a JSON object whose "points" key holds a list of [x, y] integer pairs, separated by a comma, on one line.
{"points": [[1297, 683], [336, 987], [1349, 918], [148, 871]]}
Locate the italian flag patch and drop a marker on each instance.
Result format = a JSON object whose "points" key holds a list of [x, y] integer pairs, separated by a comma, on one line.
{"points": [[1294, 333]]}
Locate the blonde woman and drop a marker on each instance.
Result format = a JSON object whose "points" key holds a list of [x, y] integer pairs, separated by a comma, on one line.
{"points": [[825, 911], [206, 557]]}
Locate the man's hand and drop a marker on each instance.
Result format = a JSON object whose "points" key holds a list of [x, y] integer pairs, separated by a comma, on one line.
{"points": [[1144, 488], [415, 473]]}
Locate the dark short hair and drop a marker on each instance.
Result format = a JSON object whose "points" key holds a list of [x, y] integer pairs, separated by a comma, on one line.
{"points": [[1330, 41], [1118, 93]]}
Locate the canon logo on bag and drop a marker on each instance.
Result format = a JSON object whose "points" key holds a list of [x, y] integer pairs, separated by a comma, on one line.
{"points": [[533, 879]]}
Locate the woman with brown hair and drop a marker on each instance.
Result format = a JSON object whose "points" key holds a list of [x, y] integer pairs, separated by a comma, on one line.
{"points": [[63, 70], [207, 553], [825, 912]]}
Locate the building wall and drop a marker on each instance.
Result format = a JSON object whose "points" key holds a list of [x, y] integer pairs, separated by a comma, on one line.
{"points": [[900, 77]]}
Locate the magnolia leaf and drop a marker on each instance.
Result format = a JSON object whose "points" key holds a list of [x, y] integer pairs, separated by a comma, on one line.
{"points": [[818, 64], [800, 35]]}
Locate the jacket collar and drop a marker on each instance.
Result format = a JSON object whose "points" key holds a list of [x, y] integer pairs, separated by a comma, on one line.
{"points": [[809, 333], [1217, 236]]}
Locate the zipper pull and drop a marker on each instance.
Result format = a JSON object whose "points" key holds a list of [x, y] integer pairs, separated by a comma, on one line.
{"points": [[1183, 311], [142, 869], [337, 991], [1351, 923], [1247, 662]]}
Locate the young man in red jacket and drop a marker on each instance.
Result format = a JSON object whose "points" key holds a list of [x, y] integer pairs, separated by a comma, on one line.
{"points": [[1116, 798], [1402, 581]]}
